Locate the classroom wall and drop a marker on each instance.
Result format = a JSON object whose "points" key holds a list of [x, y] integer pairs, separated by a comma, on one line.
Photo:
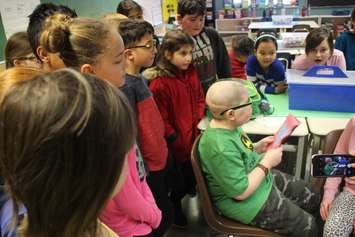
{"points": [[85, 8], [292, 11], [89, 8], [96, 8]]}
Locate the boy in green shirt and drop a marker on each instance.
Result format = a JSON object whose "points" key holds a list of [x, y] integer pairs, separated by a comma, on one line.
{"points": [[240, 180]]}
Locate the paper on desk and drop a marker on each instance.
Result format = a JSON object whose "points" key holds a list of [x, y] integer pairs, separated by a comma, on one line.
{"points": [[271, 122]]}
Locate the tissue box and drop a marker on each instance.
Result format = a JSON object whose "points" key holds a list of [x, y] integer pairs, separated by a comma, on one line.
{"points": [[282, 20], [324, 94]]}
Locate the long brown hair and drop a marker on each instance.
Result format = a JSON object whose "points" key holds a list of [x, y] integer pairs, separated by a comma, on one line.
{"points": [[172, 42], [17, 46], [63, 141], [11, 76]]}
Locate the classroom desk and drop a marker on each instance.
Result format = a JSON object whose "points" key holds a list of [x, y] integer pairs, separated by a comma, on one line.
{"points": [[268, 125], [270, 25], [281, 48], [319, 128], [319, 123]]}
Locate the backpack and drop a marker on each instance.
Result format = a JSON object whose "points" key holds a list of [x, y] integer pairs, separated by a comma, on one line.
{"points": [[260, 103]]}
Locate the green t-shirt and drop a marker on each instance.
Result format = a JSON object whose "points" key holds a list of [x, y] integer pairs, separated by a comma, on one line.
{"points": [[227, 157]]}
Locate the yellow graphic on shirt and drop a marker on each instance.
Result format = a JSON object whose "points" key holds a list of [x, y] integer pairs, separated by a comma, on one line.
{"points": [[246, 142]]}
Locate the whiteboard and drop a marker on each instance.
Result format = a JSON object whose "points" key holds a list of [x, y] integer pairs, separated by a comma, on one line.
{"points": [[152, 11], [15, 13]]}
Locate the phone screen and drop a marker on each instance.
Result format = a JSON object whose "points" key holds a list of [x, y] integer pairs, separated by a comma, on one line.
{"points": [[332, 165]]}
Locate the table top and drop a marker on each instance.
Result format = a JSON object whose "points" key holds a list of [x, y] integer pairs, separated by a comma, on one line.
{"points": [[269, 125], [270, 25], [322, 126], [280, 103]]}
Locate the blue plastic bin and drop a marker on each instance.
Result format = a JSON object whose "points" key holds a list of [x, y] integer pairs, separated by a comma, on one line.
{"points": [[324, 94]]}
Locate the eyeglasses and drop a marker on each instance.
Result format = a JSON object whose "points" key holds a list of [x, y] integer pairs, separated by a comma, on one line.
{"points": [[149, 45], [238, 107], [26, 58]]}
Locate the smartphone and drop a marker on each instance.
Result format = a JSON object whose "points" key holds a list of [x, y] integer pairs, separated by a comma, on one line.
{"points": [[332, 165]]}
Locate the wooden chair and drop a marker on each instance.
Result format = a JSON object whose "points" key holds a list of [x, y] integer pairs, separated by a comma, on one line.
{"points": [[216, 221]]}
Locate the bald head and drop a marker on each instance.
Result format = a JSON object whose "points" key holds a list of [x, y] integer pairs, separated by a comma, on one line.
{"points": [[223, 95]]}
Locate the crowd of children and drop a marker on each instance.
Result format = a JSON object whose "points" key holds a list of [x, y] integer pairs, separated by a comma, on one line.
{"points": [[91, 146]]}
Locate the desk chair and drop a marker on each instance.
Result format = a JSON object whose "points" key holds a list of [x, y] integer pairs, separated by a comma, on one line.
{"points": [[301, 28], [216, 221], [285, 58]]}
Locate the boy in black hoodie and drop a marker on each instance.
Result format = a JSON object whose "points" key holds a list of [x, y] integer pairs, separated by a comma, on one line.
{"points": [[210, 56]]}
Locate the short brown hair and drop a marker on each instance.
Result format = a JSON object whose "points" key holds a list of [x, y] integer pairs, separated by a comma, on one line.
{"points": [[316, 37], [17, 46], [125, 6], [63, 141]]}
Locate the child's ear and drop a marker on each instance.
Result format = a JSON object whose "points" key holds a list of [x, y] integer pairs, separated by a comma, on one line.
{"points": [[128, 53], [230, 114], [87, 68], [42, 54], [17, 63]]}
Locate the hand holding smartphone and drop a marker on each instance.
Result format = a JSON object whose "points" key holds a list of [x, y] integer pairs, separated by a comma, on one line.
{"points": [[333, 165]]}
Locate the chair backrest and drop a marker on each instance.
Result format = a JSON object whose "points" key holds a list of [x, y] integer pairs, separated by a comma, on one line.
{"points": [[285, 58], [284, 62], [214, 220], [301, 28], [206, 203], [331, 140]]}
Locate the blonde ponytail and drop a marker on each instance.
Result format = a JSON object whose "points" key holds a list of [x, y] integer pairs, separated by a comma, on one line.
{"points": [[55, 36]]}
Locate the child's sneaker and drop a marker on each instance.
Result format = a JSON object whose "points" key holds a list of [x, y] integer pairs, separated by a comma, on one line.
{"points": [[180, 220]]}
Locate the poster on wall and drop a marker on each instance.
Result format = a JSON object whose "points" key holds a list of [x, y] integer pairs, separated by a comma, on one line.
{"points": [[169, 10], [14, 15], [151, 11]]}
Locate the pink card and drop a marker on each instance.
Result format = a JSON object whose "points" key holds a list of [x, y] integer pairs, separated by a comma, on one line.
{"points": [[290, 124]]}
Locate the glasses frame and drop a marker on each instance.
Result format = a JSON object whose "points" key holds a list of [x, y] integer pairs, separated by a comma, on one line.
{"points": [[146, 46], [238, 107], [25, 58]]}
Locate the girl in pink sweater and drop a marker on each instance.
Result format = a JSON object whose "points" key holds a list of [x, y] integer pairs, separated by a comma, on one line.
{"points": [[133, 211], [339, 211], [319, 51]]}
